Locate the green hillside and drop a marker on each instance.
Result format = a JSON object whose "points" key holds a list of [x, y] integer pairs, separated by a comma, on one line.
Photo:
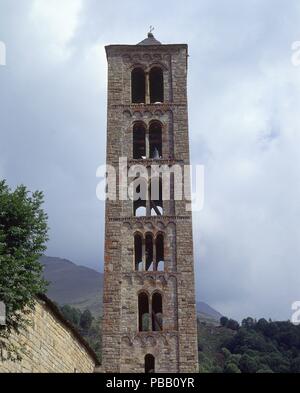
{"points": [[253, 347], [211, 340]]}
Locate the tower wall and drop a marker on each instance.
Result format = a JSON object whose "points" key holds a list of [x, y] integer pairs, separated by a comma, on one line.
{"points": [[124, 346]]}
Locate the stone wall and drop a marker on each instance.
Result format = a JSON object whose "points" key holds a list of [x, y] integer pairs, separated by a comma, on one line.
{"points": [[124, 347], [51, 345]]}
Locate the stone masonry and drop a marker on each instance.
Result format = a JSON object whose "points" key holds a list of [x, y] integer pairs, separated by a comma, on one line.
{"points": [[174, 347], [51, 345]]}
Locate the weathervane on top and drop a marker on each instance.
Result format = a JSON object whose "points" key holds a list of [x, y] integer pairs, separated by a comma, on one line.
{"points": [[151, 28]]}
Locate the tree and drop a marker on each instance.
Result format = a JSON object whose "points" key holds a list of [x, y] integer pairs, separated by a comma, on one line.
{"points": [[71, 314], [233, 325], [217, 370], [86, 324], [262, 325], [271, 329], [223, 321], [249, 364], [231, 368], [226, 353], [23, 235], [248, 323], [295, 365], [86, 320]]}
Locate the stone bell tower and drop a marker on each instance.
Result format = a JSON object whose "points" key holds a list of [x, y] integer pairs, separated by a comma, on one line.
{"points": [[149, 314]]}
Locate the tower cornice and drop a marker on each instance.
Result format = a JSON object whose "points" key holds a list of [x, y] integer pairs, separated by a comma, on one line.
{"points": [[163, 48]]}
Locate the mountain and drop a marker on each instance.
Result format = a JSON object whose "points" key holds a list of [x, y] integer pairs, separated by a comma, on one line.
{"points": [[208, 314], [79, 286], [82, 287]]}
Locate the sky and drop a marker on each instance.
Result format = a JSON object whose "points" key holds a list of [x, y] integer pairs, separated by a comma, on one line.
{"points": [[244, 96]]}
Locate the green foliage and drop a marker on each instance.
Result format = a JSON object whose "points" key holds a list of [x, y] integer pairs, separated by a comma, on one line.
{"points": [[23, 235], [206, 363], [226, 353], [295, 365], [71, 314], [223, 321], [217, 370], [210, 341], [88, 326], [232, 324], [231, 368], [262, 325], [249, 364], [248, 322], [86, 320], [246, 339], [267, 346], [229, 323], [255, 347]]}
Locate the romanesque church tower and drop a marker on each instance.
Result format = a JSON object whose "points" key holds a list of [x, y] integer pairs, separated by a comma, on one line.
{"points": [[149, 310]]}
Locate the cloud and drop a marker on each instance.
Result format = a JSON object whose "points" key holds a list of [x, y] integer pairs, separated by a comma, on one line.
{"points": [[244, 128], [56, 22]]}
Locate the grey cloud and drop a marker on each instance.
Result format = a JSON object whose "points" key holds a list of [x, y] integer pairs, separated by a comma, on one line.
{"points": [[244, 127]]}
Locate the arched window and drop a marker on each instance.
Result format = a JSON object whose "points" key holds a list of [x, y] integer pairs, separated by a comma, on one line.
{"points": [[155, 139], [140, 197], [160, 258], [153, 250], [138, 252], [149, 364], [139, 141], [156, 200], [157, 312], [149, 252], [138, 85], [139, 208], [156, 79], [144, 317]]}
